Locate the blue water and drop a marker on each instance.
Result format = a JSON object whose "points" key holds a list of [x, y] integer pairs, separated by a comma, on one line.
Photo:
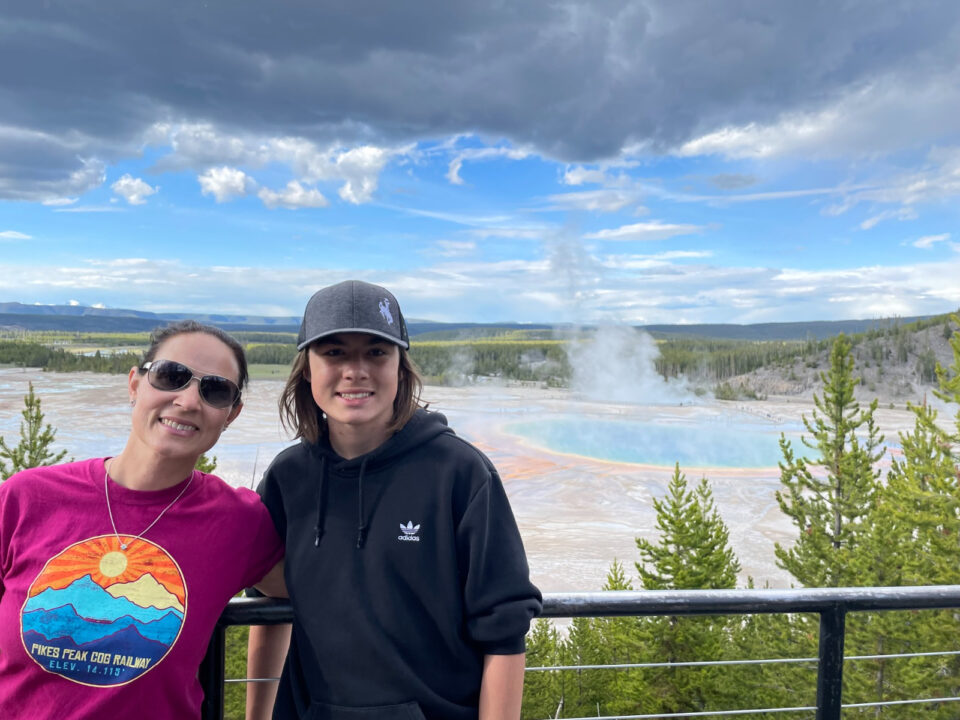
{"points": [[692, 445]]}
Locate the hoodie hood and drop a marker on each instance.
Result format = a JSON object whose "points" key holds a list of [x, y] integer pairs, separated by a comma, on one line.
{"points": [[423, 427]]}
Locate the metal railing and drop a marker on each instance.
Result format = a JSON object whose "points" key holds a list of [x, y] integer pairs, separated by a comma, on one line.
{"points": [[832, 604]]}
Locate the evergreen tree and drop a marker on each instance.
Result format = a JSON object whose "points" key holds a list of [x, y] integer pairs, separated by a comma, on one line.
{"points": [[205, 464], [775, 685], [692, 552], [599, 641], [828, 496], [36, 438], [542, 689], [586, 690], [915, 524]]}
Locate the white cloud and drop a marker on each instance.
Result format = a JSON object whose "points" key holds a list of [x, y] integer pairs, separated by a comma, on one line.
{"points": [[73, 303], [452, 217], [477, 154], [660, 287], [901, 214], [134, 190], [928, 241], [294, 196], [201, 145], [755, 141], [647, 262], [605, 200], [60, 201], [514, 233], [644, 231], [89, 209], [14, 235], [579, 175], [225, 183], [360, 168], [937, 181], [888, 114], [455, 248], [453, 171]]}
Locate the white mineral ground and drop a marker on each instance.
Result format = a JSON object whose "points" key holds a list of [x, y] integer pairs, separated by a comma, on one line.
{"points": [[576, 514]]}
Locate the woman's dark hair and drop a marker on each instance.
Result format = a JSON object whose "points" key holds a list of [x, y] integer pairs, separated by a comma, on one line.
{"points": [[184, 327], [299, 412]]}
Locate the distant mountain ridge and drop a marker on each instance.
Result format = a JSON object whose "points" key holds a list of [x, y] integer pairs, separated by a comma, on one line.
{"points": [[80, 318]]}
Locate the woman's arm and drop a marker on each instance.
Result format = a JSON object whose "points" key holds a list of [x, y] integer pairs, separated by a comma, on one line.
{"points": [[273, 584], [266, 650], [501, 689]]}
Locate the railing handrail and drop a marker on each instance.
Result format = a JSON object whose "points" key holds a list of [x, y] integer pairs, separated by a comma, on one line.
{"points": [[832, 604], [613, 603]]}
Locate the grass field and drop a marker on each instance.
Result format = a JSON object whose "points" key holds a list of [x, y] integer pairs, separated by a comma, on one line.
{"points": [[269, 372]]}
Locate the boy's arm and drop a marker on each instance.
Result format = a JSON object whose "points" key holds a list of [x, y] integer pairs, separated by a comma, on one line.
{"points": [[266, 651], [501, 689]]}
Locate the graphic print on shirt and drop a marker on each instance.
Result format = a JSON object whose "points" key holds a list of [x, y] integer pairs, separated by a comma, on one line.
{"points": [[102, 616]]}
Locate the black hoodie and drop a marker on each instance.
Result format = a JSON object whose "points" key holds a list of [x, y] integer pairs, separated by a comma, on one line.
{"points": [[404, 567]]}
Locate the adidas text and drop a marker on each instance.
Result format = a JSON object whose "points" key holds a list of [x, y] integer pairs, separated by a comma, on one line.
{"points": [[408, 538]]}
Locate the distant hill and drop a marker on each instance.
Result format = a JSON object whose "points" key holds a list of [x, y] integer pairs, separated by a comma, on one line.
{"points": [[79, 318], [814, 329]]}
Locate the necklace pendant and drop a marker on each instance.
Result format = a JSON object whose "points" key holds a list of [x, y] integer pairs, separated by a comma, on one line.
{"points": [[123, 546]]}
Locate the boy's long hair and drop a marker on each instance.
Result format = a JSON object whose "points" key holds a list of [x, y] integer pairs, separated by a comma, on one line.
{"points": [[300, 414]]}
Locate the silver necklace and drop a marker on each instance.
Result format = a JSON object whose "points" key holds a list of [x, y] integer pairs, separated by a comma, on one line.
{"points": [[106, 492]]}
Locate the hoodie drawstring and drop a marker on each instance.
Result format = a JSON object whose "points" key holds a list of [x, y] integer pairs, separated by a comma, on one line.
{"points": [[361, 525], [321, 502]]}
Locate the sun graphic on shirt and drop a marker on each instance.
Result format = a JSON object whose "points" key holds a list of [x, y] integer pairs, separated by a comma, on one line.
{"points": [[106, 563]]}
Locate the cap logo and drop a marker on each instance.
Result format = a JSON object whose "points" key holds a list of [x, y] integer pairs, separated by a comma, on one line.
{"points": [[385, 311]]}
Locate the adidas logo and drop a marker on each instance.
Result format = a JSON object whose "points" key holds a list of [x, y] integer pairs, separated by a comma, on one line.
{"points": [[409, 532]]}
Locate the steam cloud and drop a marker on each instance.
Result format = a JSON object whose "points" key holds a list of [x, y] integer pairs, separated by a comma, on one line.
{"points": [[617, 364]]}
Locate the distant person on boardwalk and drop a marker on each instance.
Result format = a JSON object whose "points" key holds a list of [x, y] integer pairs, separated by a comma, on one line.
{"points": [[113, 571], [405, 568]]}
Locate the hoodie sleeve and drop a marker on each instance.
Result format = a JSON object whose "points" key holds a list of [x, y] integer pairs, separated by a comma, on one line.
{"points": [[499, 598]]}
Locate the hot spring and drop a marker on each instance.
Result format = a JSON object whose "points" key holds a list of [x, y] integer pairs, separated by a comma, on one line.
{"points": [[705, 444]]}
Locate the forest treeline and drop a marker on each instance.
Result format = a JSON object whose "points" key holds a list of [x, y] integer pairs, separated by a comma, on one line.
{"points": [[532, 355], [855, 526]]}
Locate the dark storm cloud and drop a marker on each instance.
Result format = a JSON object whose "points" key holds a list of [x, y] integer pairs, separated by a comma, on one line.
{"points": [[576, 81]]}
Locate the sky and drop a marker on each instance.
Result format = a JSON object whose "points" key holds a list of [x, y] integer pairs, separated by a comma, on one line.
{"points": [[603, 161]]}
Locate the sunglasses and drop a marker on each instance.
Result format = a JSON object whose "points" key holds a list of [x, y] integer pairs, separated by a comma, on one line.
{"points": [[170, 376]]}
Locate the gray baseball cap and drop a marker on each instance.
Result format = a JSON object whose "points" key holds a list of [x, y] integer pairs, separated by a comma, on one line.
{"points": [[353, 306]]}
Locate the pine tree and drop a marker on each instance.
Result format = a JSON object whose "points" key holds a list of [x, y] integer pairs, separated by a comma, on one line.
{"points": [[36, 438], [205, 464], [542, 689], [915, 526], [775, 685], [828, 496], [692, 552]]}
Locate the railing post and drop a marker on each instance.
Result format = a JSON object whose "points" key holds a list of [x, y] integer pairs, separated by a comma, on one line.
{"points": [[830, 668], [212, 674]]}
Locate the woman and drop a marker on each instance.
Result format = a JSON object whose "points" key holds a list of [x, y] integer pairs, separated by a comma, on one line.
{"points": [[113, 571], [406, 572]]}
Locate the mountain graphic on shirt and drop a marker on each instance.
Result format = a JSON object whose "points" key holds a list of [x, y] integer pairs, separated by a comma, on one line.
{"points": [[92, 602], [146, 592], [110, 624]]}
